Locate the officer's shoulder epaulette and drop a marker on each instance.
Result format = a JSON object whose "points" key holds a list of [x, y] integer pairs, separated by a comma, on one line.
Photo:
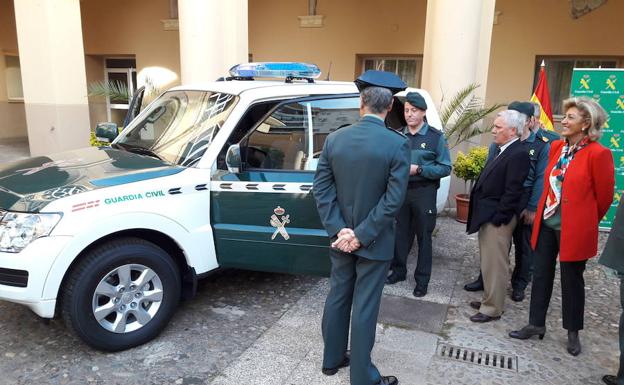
{"points": [[436, 131], [548, 136], [398, 132]]}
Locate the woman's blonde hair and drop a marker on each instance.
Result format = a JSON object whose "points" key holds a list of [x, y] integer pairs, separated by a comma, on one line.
{"points": [[591, 112]]}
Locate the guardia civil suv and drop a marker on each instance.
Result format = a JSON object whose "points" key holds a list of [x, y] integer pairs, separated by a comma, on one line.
{"points": [[206, 176]]}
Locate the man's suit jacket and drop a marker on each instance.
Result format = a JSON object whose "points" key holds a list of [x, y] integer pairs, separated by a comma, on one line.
{"points": [[495, 197], [360, 183]]}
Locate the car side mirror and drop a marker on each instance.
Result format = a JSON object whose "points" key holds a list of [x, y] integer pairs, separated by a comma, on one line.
{"points": [[233, 159], [106, 131]]}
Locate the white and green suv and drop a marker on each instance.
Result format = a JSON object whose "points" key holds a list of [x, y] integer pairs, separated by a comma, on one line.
{"points": [[207, 176]]}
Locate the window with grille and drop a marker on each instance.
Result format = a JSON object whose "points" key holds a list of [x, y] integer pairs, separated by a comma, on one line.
{"points": [[408, 68]]}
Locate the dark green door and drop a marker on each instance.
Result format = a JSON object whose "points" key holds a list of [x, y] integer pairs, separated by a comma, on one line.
{"points": [[264, 217]]}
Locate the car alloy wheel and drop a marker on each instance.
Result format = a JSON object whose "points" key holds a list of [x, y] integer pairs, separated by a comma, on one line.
{"points": [[127, 298]]}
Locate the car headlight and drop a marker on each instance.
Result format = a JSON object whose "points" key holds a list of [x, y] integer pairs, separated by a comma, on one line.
{"points": [[17, 230]]}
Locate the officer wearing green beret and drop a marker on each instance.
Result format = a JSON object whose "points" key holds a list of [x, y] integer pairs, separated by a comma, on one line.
{"points": [[430, 161]]}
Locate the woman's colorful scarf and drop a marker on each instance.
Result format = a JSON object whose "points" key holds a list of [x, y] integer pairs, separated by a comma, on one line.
{"points": [[555, 180]]}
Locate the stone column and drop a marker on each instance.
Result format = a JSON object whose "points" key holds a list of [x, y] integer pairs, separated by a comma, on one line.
{"points": [[213, 38], [458, 36], [49, 36]]}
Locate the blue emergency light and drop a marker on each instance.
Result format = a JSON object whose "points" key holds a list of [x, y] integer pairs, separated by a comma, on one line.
{"points": [[286, 70]]}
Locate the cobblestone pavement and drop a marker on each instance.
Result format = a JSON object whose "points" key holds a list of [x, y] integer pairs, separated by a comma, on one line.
{"points": [[231, 311]]}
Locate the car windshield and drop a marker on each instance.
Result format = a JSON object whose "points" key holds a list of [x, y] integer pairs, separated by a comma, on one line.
{"points": [[178, 126]]}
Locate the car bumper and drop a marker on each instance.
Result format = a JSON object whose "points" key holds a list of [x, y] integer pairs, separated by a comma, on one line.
{"points": [[23, 275]]}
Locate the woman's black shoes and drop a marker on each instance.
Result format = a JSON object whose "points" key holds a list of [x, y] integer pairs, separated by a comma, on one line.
{"points": [[574, 344], [529, 331]]}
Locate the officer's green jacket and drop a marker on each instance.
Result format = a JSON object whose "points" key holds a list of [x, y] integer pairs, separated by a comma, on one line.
{"points": [[429, 150], [613, 253], [360, 183]]}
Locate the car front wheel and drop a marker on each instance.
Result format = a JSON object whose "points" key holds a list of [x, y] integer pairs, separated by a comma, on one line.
{"points": [[122, 294]]}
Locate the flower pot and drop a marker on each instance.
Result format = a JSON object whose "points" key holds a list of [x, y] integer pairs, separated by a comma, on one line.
{"points": [[461, 203]]}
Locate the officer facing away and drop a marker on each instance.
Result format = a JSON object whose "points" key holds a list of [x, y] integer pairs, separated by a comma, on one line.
{"points": [[430, 161], [359, 187]]}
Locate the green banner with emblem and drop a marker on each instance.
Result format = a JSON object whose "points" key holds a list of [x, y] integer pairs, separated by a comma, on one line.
{"points": [[606, 86]]}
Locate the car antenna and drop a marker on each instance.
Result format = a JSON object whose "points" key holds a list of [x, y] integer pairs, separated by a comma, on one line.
{"points": [[328, 71]]}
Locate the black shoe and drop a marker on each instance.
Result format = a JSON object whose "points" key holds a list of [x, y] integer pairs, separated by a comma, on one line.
{"points": [[394, 278], [345, 362], [420, 291], [482, 318], [609, 379], [474, 286], [475, 305], [574, 344], [517, 295], [528, 331], [388, 380]]}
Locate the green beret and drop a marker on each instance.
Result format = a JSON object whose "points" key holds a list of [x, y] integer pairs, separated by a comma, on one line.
{"points": [[522, 107], [416, 100]]}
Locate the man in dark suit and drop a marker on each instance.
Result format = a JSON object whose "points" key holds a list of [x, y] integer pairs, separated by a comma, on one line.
{"points": [[494, 207], [537, 149], [359, 187], [613, 257]]}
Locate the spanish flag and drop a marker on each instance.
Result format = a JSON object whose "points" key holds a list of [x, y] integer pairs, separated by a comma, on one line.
{"points": [[541, 95]]}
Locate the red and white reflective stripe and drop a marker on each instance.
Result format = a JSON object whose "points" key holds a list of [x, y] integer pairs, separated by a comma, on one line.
{"points": [[85, 205]]}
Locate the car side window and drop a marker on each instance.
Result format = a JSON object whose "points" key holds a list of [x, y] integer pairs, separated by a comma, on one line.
{"points": [[292, 137], [329, 115], [279, 142]]}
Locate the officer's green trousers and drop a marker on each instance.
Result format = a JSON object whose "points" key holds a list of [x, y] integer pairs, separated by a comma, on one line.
{"points": [[417, 217], [355, 295]]}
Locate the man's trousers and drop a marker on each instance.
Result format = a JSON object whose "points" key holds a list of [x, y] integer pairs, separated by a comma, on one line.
{"points": [[494, 243], [356, 287]]}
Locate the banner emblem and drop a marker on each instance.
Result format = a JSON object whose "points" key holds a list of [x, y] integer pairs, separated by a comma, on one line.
{"points": [[279, 221]]}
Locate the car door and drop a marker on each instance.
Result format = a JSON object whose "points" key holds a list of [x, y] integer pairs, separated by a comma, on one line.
{"points": [[264, 216]]}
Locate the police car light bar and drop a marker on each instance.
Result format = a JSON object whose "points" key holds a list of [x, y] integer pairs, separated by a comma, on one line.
{"points": [[285, 70]]}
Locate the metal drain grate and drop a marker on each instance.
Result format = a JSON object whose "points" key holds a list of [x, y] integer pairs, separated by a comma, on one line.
{"points": [[507, 362]]}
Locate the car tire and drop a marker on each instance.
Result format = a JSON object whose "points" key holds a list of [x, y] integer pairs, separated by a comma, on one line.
{"points": [[121, 294]]}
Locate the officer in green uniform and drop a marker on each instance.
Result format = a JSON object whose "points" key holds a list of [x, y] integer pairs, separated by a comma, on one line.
{"points": [[430, 161], [359, 187], [545, 135], [613, 257]]}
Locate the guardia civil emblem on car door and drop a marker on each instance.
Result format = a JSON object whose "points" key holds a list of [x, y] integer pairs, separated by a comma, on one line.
{"points": [[279, 221]]}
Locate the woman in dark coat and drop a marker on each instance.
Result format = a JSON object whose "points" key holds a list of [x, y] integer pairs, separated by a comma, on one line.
{"points": [[613, 257], [578, 191]]}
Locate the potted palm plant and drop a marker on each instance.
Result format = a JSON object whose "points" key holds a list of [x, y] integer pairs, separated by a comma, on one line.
{"points": [[462, 118]]}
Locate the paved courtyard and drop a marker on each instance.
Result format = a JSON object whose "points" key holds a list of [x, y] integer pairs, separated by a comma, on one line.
{"points": [[260, 328]]}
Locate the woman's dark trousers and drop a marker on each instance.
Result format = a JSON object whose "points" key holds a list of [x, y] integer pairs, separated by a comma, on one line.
{"points": [[572, 283]]}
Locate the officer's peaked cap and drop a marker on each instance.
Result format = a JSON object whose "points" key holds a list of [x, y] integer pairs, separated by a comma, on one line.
{"points": [[383, 79]]}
